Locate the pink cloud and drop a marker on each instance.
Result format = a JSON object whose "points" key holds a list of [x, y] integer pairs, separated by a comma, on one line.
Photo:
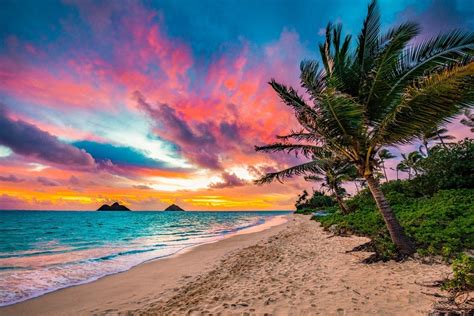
{"points": [[229, 180], [218, 122], [60, 89], [215, 118]]}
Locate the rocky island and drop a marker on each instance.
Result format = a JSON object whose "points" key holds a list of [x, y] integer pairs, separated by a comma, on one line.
{"points": [[114, 207], [174, 208]]}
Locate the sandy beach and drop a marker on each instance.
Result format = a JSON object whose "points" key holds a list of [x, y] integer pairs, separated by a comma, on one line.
{"points": [[294, 268]]}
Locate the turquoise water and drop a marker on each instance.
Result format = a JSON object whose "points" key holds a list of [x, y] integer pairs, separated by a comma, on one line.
{"points": [[42, 251]]}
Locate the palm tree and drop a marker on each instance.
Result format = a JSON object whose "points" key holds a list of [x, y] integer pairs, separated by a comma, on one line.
{"points": [[332, 172], [401, 167], [384, 93], [410, 163], [468, 120], [434, 134], [301, 199], [323, 167], [359, 184], [384, 154]]}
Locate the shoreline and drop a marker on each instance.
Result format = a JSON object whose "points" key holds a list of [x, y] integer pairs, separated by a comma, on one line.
{"points": [[292, 268], [23, 307]]}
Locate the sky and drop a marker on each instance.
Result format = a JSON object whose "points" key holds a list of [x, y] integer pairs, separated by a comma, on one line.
{"points": [[156, 102]]}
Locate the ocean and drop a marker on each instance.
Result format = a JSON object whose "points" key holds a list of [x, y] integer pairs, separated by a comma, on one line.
{"points": [[43, 251]]}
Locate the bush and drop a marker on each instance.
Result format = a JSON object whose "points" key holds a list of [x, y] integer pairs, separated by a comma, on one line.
{"points": [[463, 275], [439, 225], [436, 208], [446, 168], [442, 224], [318, 201]]}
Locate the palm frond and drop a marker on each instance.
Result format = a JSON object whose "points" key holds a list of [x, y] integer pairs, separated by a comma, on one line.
{"points": [[368, 39], [315, 120], [402, 166], [306, 150], [441, 51], [312, 79], [313, 178], [305, 114], [340, 116], [468, 120], [391, 46], [290, 96], [325, 51], [308, 167], [385, 154], [428, 104], [301, 136], [341, 49]]}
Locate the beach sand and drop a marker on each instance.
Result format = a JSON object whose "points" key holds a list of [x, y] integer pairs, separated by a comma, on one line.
{"points": [[291, 269]]}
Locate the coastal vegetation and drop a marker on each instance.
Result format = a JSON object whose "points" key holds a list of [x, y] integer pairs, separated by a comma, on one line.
{"points": [[436, 207], [318, 201], [388, 89]]}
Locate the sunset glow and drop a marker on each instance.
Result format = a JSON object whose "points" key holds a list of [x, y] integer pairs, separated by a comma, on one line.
{"points": [[150, 104]]}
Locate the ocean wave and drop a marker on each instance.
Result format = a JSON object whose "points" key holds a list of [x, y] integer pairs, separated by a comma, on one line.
{"points": [[52, 265]]}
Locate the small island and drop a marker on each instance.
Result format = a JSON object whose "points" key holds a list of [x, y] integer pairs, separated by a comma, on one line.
{"points": [[174, 208], [114, 207]]}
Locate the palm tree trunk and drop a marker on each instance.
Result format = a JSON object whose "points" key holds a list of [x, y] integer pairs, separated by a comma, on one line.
{"points": [[396, 231], [384, 171], [342, 205], [334, 188], [397, 174], [442, 142]]}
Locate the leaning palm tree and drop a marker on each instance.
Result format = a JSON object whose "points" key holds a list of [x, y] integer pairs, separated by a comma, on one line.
{"points": [[384, 154], [410, 163], [434, 134], [384, 93]]}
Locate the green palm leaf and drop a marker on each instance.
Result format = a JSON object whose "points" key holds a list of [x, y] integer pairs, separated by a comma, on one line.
{"points": [[314, 178], [312, 78], [367, 41], [301, 136], [443, 50], [340, 116], [298, 170], [391, 46], [306, 150], [426, 105]]}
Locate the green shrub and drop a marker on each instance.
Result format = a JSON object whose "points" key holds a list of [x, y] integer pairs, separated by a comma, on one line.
{"points": [[439, 225], [436, 208], [318, 201], [463, 275], [446, 168], [442, 224]]}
